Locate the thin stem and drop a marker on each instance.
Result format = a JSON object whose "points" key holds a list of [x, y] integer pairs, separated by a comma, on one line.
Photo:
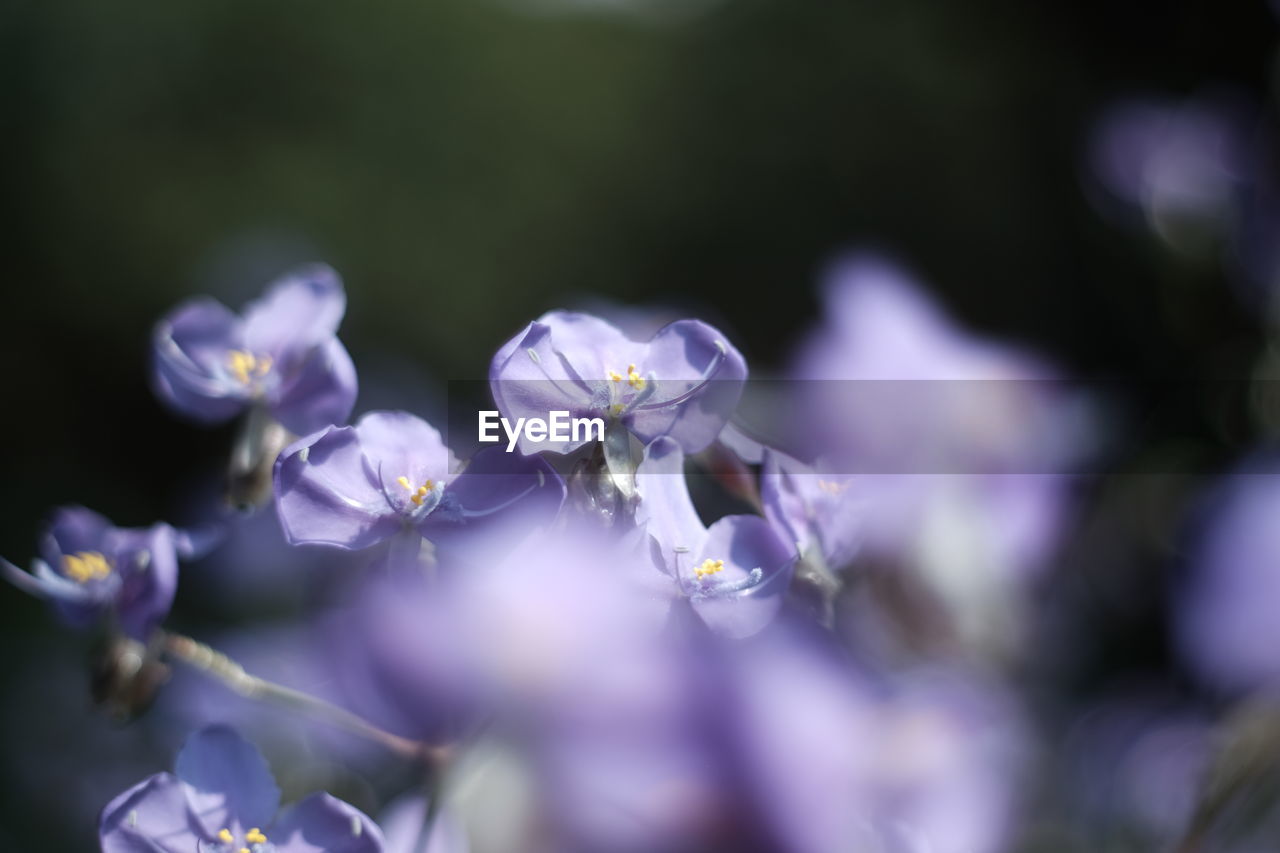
{"points": [[214, 663]]}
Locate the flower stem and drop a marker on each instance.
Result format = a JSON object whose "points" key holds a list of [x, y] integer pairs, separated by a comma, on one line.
{"points": [[217, 665]]}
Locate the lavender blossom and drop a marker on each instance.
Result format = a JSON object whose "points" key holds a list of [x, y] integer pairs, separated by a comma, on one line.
{"points": [[221, 798], [734, 573], [89, 568], [1180, 164], [683, 383], [820, 513], [282, 353], [938, 427], [1225, 616], [354, 487]]}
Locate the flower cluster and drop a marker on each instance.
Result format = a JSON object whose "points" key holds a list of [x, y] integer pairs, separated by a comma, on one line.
{"points": [[777, 617]]}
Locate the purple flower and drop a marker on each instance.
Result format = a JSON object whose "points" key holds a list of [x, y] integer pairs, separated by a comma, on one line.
{"points": [[353, 487], [683, 383], [834, 765], [88, 568], [734, 573], [221, 798], [282, 353], [942, 427], [821, 513], [1180, 163], [1226, 606]]}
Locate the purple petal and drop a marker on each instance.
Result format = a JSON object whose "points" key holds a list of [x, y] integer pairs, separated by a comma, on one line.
{"points": [[695, 365], [746, 543], [817, 512], [47, 584], [319, 391], [229, 783], [665, 509], [591, 346], [298, 312], [401, 445], [189, 361], [326, 494], [530, 379], [153, 816], [499, 497], [72, 529], [323, 824], [148, 563]]}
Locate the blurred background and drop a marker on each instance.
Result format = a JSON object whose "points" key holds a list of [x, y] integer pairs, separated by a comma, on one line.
{"points": [[468, 164]]}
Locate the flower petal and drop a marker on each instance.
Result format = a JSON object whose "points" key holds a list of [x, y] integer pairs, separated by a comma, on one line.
{"points": [[299, 311], [590, 345], [326, 494], [189, 352], [150, 578], [403, 445], [745, 543], [318, 392], [531, 379], [229, 783], [694, 364], [324, 824], [153, 816], [72, 529], [499, 497], [665, 509]]}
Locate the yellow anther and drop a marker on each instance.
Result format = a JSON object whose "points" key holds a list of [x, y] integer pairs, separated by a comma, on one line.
{"points": [[244, 850], [708, 567], [225, 836], [614, 376], [84, 566], [418, 494], [245, 365], [832, 488], [634, 379], [255, 836]]}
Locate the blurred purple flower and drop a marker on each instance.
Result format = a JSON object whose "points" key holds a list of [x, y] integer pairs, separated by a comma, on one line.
{"points": [[1180, 163], [89, 568], [354, 487], [926, 762], [282, 353], [817, 512], [221, 798], [734, 573], [683, 383], [904, 411], [1225, 609]]}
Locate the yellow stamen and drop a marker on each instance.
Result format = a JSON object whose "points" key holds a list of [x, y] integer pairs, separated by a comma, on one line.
{"points": [[255, 836], [225, 836], [421, 491], [84, 566], [244, 850], [708, 567], [245, 365], [634, 379], [614, 376]]}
